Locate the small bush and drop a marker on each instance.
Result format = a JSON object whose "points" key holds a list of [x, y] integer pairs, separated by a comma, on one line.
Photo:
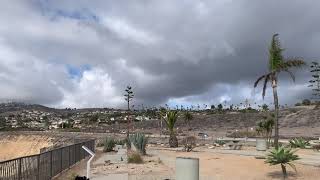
{"points": [[306, 102], [135, 158], [189, 143], [100, 143], [121, 142], [299, 143], [220, 142], [127, 143], [109, 144], [298, 104], [316, 147]]}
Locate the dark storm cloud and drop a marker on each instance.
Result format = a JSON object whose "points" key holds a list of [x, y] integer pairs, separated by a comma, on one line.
{"points": [[194, 50]]}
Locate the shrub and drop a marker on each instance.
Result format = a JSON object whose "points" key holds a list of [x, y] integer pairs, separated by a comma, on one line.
{"points": [[306, 102], [189, 143], [135, 158], [316, 147], [109, 144], [283, 156], [100, 143], [127, 143], [298, 104], [299, 143], [220, 142], [139, 141], [121, 142]]}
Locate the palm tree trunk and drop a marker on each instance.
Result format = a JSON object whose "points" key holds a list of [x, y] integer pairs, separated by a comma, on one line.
{"points": [[276, 113], [173, 141]]}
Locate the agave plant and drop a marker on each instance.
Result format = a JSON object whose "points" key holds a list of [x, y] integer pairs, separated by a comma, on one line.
{"points": [[283, 156], [170, 120], [109, 144], [139, 141], [299, 143]]}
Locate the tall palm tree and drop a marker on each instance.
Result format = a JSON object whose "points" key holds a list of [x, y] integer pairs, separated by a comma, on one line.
{"points": [[170, 120], [277, 64]]}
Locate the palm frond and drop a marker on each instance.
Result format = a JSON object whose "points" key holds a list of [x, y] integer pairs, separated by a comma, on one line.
{"points": [[291, 75], [275, 53], [291, 62], [292, 166], [258, 80], [266, 80]]}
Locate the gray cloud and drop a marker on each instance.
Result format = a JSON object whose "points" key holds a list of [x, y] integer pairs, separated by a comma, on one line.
{"points": [[197, 51]]}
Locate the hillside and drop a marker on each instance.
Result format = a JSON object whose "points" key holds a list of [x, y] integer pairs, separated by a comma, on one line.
{"points": [[107, 120]]}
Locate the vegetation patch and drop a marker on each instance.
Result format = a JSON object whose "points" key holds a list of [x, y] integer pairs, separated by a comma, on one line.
{"points": [[109, 144], [135, 158]]}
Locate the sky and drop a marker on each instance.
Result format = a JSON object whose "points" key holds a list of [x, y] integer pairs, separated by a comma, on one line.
{"points": [[67, 53]]}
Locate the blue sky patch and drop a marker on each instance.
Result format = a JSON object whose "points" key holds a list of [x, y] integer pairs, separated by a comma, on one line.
{"points": [[76, 72], [54, 13]]}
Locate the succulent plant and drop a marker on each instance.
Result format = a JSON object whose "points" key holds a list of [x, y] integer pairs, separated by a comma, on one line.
{"points": [[283, 156]]}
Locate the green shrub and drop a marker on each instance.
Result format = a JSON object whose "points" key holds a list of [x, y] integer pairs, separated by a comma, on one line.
{"points": [[109, 144], [306, 102], [127, 143], [298, 104], [283, 156], [189, 143], [299, 143], [135, 158], [121, 142], [139, 141], [220, 142]]}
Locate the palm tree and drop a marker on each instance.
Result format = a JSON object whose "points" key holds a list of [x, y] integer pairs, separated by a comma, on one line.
{"points": [[277, 64], [170, 120]]}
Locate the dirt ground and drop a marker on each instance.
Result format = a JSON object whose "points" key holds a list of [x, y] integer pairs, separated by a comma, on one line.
{"points": [[228, 166], [160, 164], [20, 145]]}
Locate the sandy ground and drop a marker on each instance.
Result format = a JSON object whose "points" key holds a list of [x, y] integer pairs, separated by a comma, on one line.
{"points": [[160, 164], [228, 166], [20, 145]]}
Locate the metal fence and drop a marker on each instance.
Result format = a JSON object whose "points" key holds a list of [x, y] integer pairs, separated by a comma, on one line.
{"points": [[45, 165]]}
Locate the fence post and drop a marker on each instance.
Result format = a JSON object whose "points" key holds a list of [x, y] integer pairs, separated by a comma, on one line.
{"points": [[69, 157], [19, 169], [38, 167], [51, 163], [61, 160]]}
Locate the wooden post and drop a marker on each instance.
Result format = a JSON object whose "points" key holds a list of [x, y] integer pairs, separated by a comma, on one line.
{"points": [[19, 169], [38, 167], [60, 159], [51, 163], [69, 156]]}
